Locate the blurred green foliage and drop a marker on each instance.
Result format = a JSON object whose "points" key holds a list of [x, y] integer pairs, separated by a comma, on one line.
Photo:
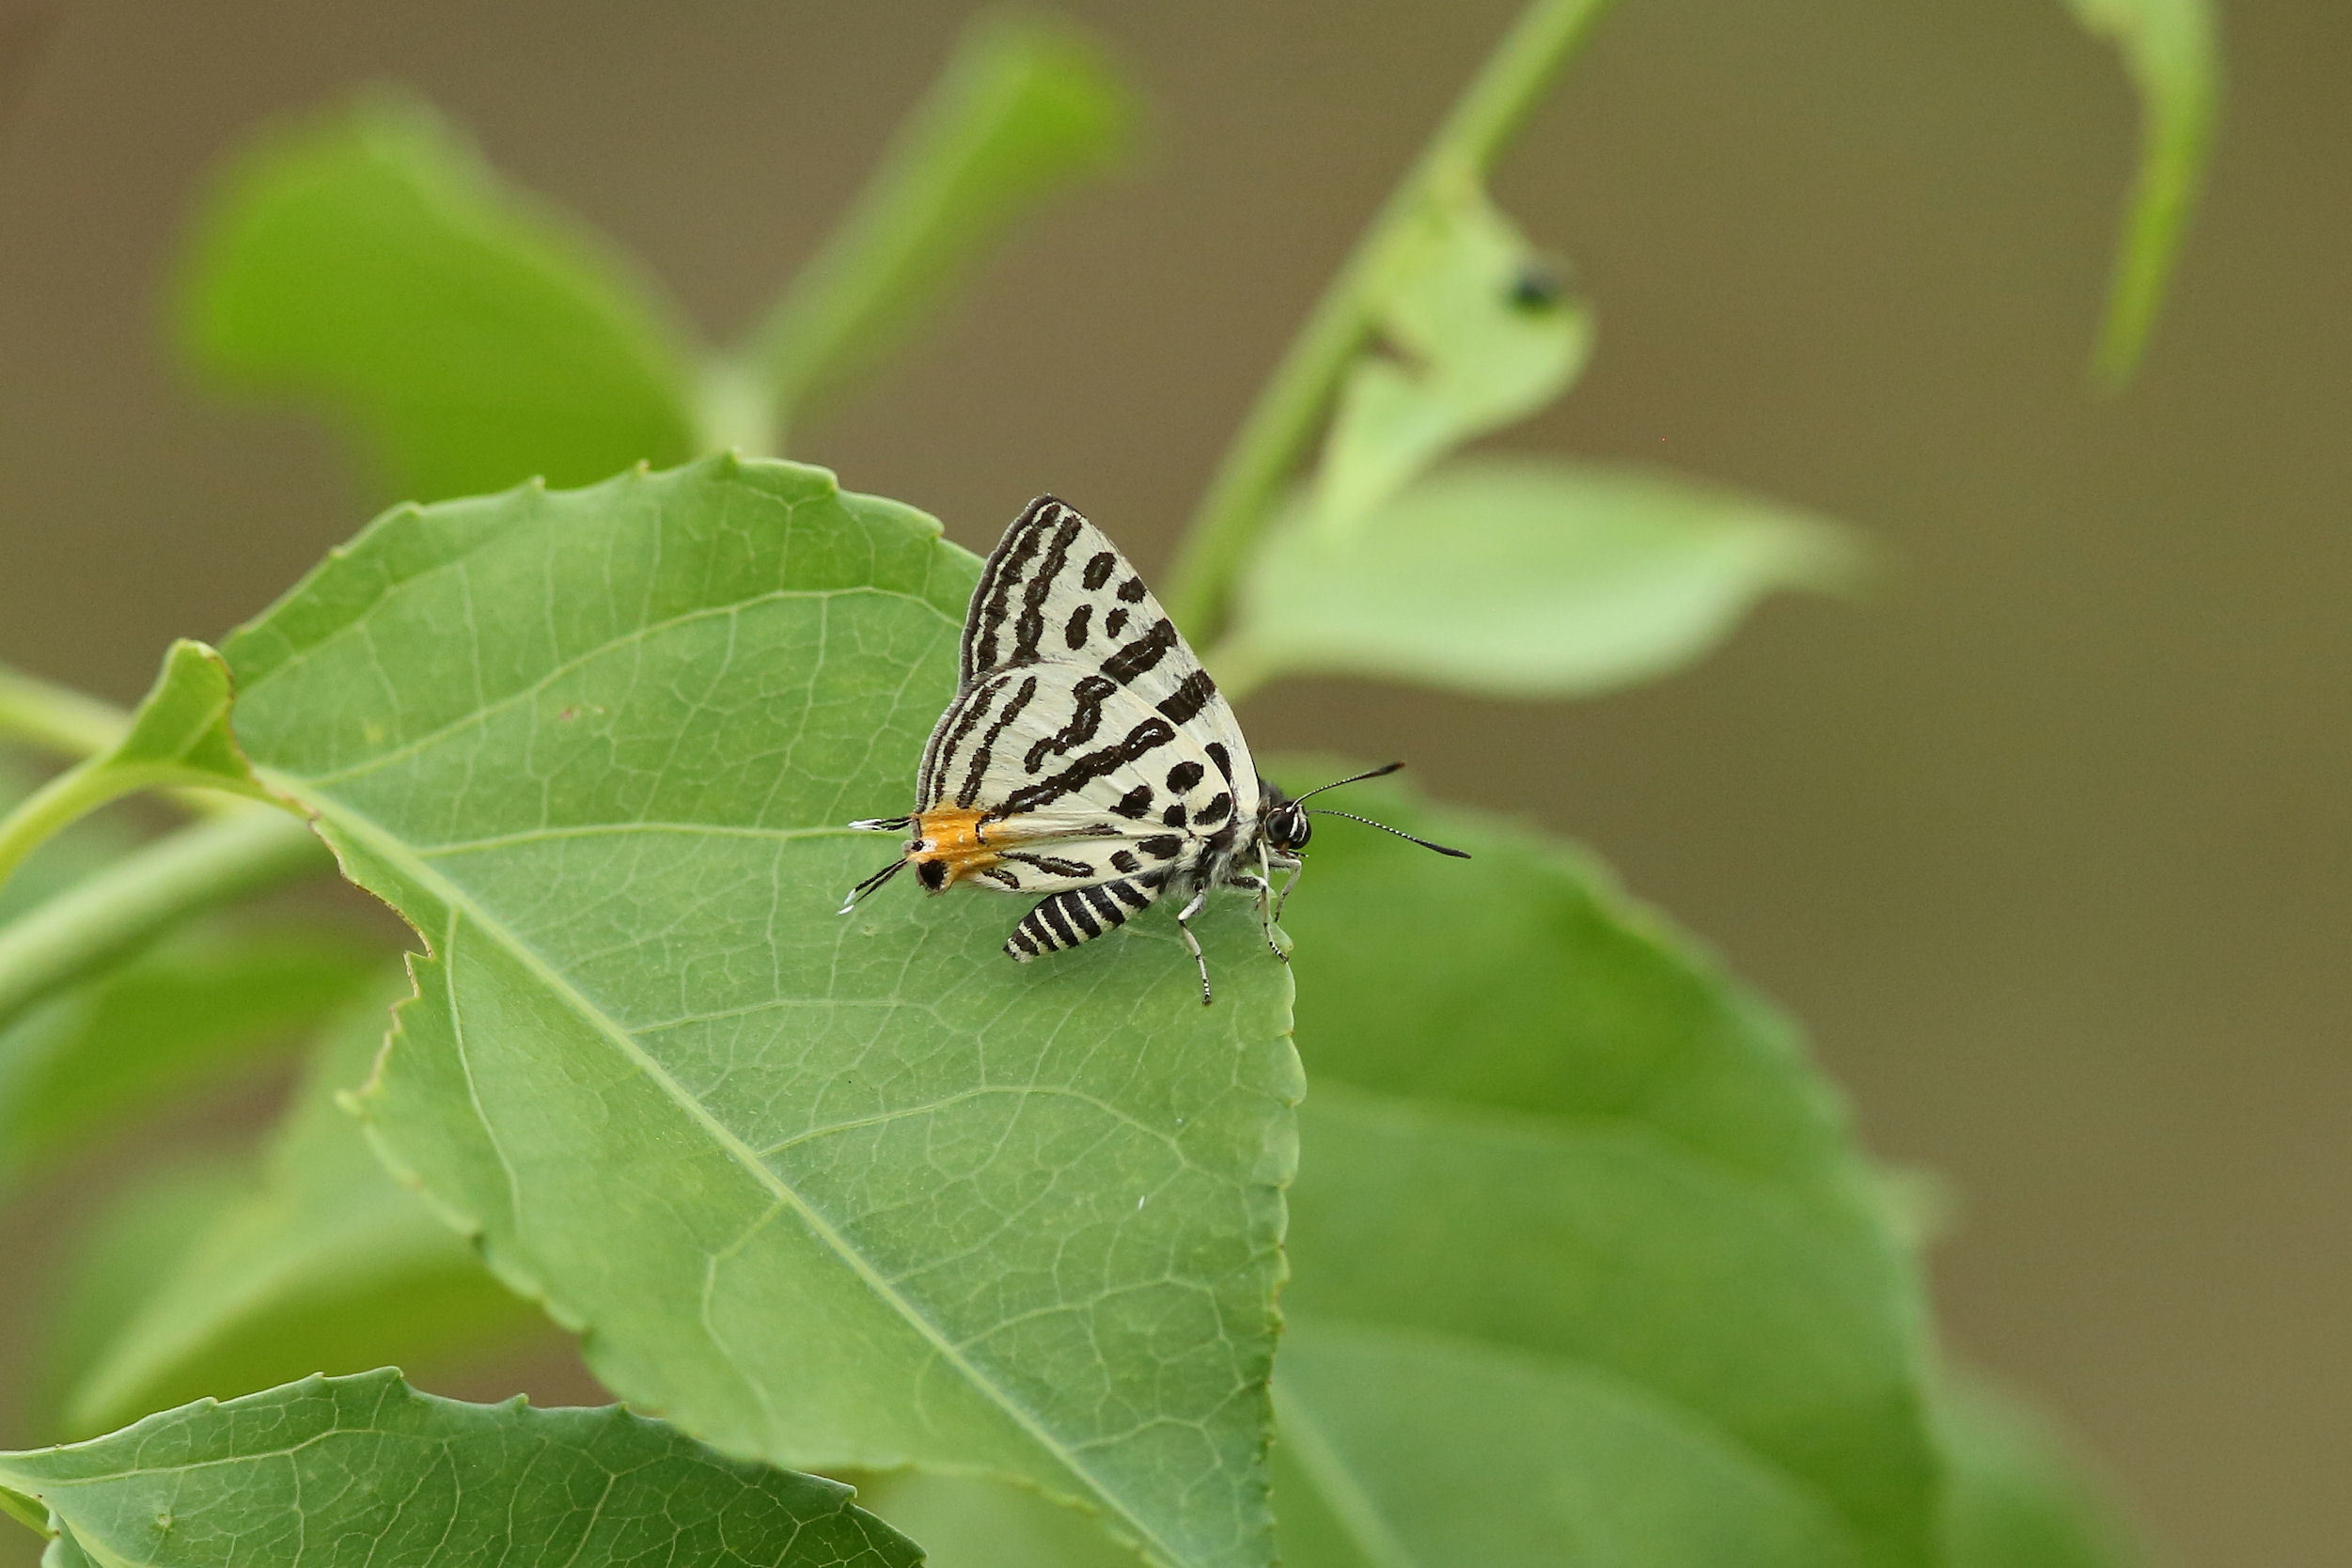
{"points": [[1586, 1266]]}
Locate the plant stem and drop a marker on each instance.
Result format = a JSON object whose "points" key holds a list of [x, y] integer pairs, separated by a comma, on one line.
{"points": [[135, 898], [1283, 419], [72, 795], [56, 718]]}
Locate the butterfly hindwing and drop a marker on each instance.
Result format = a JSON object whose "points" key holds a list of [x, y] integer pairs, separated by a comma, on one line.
{"points": [[1075, 782]]}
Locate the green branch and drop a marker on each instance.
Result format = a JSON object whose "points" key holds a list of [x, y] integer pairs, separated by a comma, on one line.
{"points": [[1026, 107], [145, 893], [1283, 420], [56, 718]]}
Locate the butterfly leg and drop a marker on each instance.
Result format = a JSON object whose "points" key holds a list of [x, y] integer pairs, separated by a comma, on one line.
{"points": [[1249, 882], [1192, 943], [1298, 868]]}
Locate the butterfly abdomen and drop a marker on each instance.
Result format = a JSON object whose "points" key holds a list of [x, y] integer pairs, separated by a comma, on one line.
{"points": [[1078, 914]]}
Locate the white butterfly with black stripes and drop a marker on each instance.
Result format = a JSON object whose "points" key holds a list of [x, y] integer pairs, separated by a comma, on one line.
{"points": [[1088, 757]]}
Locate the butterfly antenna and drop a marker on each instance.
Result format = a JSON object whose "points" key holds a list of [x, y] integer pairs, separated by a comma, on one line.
{"points": [[869, 885], [1381, 772], [1326, 811]]}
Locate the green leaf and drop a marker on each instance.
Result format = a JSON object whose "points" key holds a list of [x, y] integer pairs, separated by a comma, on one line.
{"points": [[2172, 49], [362, 1471], [967, 1523], [160, 1026], [368, 261], [178, 736], [1026, 107], [597, 747], [138, 1238], [1403, 1449], [1519, 577], [1474, 333], [324, 1262], [1546, 1132], [2018, 1496]]}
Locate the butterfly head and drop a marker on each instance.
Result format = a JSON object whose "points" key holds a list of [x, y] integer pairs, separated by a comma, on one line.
{"points": [[1287, 828]]}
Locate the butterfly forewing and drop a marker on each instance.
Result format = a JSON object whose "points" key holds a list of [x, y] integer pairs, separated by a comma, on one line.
{"points": [[1080, 703], [1057, 590], [1073, 784]]}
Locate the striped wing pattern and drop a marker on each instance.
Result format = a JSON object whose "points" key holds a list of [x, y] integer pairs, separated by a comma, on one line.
{"points": [[1087, 756], [1085, 731]]}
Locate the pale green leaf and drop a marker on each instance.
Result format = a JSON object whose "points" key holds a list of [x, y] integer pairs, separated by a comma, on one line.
{"points": [[1026, 107], [160, 1026], [1400, 1449], [1545, 1126], [1473, 332], [2171, 49], [139, 1236], [179, 732], [597, 747], [352, 1472], [322, 1264], [178, 736], [1523, 577], [2018, 1496], [967, 1523], [470, 337]]}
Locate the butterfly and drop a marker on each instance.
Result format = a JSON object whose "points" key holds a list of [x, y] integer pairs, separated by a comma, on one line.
{"points": [[1087, 756]]}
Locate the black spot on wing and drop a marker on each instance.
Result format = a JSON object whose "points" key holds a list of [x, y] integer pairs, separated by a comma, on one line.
{"points": [[1135, 803], [1122, 860], [1139, 657], [1007, 565], [1073, 633], [1056, 864], [1184, 703], [1162, 846], [982, 754], [1222, 758], [1183, 776], [947, 738], [1138, 743], [1029, 629], [1215, 812], [1098, 571], [1175, 815], [1115, 623], [1086, 716], [1132, 590]]}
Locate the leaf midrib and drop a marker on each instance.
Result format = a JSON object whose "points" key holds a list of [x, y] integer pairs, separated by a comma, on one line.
{"points": [[381, 843]]}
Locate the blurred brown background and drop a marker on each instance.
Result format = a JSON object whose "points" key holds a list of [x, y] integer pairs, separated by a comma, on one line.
{"points": [[2047, 844]]}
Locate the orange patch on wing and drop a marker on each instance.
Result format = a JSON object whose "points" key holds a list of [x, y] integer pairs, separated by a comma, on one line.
{"points": [[949, 837]]}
